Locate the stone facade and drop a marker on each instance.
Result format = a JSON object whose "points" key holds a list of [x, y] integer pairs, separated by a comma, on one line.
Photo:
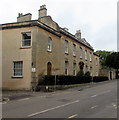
{"points": [[50, 50]]}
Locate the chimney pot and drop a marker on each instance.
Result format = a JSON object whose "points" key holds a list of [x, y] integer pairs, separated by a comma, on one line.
{"points": [[78, 34], [42, 11]]}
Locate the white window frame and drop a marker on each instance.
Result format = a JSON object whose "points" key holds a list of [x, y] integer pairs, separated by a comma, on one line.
{"points": [[66, 67], [96, 73], [66, 47], [86, 55], [74, 69], [74, 49], [96, 62], [49, 47], [91, 70], [20, 69], [90, 56], [23, 40], [81, 52]]}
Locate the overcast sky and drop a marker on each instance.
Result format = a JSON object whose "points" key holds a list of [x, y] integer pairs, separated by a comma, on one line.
{"points": [[97, 19]]}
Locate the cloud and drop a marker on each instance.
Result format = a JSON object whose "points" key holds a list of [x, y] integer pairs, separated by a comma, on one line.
{"points": [[95, 18]]}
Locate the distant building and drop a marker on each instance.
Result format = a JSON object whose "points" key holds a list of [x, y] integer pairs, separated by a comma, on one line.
{"points": [[41, 47]]}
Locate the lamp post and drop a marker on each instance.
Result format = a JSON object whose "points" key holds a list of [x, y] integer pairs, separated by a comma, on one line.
{"points": [[55, 82]]}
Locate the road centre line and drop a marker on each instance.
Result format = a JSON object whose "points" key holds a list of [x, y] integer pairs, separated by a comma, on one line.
{"points": [[52, 108], [101, 93], [93, 107], [72, 116], [93, 95]]}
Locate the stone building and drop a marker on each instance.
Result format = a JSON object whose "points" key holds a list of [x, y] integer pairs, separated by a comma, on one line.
{"points": [[41, 47]]}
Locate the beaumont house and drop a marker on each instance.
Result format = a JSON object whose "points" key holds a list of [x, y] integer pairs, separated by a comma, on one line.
{"points": [[41, 47]]}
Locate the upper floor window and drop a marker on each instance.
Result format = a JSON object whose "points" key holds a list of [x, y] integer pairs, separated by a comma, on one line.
{"points": [[96, 61], [81, 52], [90, 56], [66, 46], [18, 69], [26, 39], [74, 50], [85, 54], [49, 44]]}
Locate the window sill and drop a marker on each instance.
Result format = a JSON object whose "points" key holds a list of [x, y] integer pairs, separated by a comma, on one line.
{"points": [[17, 76], [66, 53], [25, 47], [49, 50], [74, 55]]}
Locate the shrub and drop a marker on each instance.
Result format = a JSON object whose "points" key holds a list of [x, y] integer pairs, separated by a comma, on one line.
{"points": [[80, 73], [70, 80], [87, 74], [100, 78], [65, 80]]}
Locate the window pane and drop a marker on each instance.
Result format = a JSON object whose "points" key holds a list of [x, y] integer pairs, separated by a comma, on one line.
{"points": [[26, 39], [66, 67], [49, 44], [18, 66], [66, 46]]}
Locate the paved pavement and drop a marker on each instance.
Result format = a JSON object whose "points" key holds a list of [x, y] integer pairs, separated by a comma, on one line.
{"points": [[91, 101]]}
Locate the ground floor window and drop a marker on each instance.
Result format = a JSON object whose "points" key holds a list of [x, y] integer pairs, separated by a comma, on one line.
{"points": [[96, 73], [18, 68], [74, 68], [66, 67], [49, 68]]}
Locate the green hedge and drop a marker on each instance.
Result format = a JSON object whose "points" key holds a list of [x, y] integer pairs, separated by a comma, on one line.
{"points": [[100, 78], [64, 80], [70, 80]]}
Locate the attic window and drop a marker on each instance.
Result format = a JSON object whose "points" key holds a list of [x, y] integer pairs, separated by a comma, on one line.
{"points": [[26, 39]]}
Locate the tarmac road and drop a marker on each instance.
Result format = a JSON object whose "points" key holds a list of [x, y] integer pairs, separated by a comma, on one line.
{"points": [[92, 101]]}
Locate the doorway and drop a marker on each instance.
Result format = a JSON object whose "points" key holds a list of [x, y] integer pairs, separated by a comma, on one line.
{"points": [[49, 68]]}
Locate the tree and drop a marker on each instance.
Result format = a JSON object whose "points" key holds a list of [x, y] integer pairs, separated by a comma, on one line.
{"points": [[112, 60], [103, 55]]}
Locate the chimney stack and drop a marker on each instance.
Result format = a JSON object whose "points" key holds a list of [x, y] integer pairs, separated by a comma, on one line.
{"points": [[78, 34], [42, 11], [23, 18]]}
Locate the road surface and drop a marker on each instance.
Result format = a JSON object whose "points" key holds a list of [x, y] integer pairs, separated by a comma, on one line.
{"points": [[92, 101]]}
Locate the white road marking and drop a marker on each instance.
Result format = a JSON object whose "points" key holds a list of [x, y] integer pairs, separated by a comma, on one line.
{"points": [[114, 105], [23, 99], [72, 116], [1, 103], [101, 93], [93, 107], [93, 95], [52, 108]]}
